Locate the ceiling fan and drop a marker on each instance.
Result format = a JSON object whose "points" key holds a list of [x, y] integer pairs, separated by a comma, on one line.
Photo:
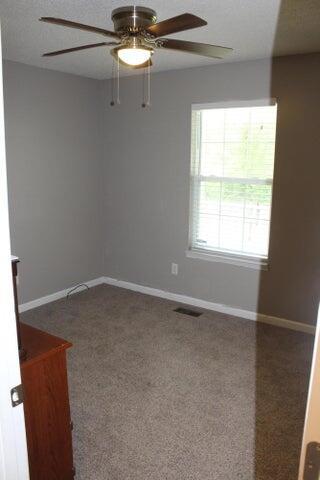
{"points": [[137, 36]]}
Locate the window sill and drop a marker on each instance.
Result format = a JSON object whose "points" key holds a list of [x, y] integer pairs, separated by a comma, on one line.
{"points": [[231, 259]]}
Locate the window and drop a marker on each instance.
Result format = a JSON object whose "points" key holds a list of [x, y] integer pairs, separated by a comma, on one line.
{"points": [[231, 181]]}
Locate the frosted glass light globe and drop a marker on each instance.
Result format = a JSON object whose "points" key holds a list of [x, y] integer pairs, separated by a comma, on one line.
{"points": [[134, 56]]}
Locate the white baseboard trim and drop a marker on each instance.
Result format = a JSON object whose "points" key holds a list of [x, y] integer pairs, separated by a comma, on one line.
{"points": [[175, 297], [57, 295], [217, 307]]}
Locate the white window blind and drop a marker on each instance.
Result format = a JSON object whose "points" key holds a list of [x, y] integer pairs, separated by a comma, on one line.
{"points": [[231, 179]]}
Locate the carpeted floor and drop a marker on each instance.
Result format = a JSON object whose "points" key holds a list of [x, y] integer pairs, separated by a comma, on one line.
{"points": [[156, 395]]}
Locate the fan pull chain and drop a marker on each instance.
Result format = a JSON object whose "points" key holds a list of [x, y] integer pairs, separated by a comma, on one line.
{"points": [[143, 88], [118, 81], [115, 79], [112, 85], [146, 101]]}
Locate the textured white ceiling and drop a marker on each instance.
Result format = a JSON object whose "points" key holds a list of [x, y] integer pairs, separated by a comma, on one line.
{"points": [[254, 28]]}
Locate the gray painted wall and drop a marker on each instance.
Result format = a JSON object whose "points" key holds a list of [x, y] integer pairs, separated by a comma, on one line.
{"points": [[147, 161], [54, 155], [89, 183]]}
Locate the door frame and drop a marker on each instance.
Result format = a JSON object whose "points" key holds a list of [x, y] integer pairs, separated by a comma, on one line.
{"points": [[311, 432], [13, 446]]}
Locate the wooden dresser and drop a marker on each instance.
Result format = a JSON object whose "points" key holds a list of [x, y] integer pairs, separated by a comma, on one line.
{"points": [[46, 405]]}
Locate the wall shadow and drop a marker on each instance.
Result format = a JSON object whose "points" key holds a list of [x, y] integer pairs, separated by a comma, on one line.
{"points": [[283, 357]]}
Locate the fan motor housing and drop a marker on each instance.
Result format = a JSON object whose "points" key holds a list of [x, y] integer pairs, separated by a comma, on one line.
{"points": [[133, 18]]}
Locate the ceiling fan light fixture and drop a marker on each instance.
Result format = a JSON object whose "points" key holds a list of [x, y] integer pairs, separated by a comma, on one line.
{"points": [[136, 35], [134, 55]]}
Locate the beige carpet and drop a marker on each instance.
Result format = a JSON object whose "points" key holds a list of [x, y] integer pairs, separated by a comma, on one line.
{"points": [[156, 395]]}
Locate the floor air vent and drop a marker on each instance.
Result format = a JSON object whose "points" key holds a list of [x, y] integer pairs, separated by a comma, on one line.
{"points": [[187, 311]]}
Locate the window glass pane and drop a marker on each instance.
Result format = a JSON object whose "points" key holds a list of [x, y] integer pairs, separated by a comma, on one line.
{"points": [[256, 236], [210, 197], [258, 202], [212, 159], [212, 128], [235, 159], [233, 199], [207, 235], [231, 233], [237, 124], [232, 172], [240, 141]]}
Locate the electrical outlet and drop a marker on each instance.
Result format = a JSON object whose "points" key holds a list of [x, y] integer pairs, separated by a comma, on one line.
{"points": [[174, 268]]}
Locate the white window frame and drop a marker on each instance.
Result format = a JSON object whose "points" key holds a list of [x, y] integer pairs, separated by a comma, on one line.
{"points": [[257, 262]]}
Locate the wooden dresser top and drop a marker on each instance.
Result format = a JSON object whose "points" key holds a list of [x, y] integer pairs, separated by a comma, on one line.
{"points": [[39, 344]]}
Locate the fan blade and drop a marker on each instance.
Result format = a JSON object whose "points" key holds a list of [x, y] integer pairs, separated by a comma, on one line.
{"points": [[186, 21], [80, 26], [212, 51], [134, 67], [75, 49]]}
